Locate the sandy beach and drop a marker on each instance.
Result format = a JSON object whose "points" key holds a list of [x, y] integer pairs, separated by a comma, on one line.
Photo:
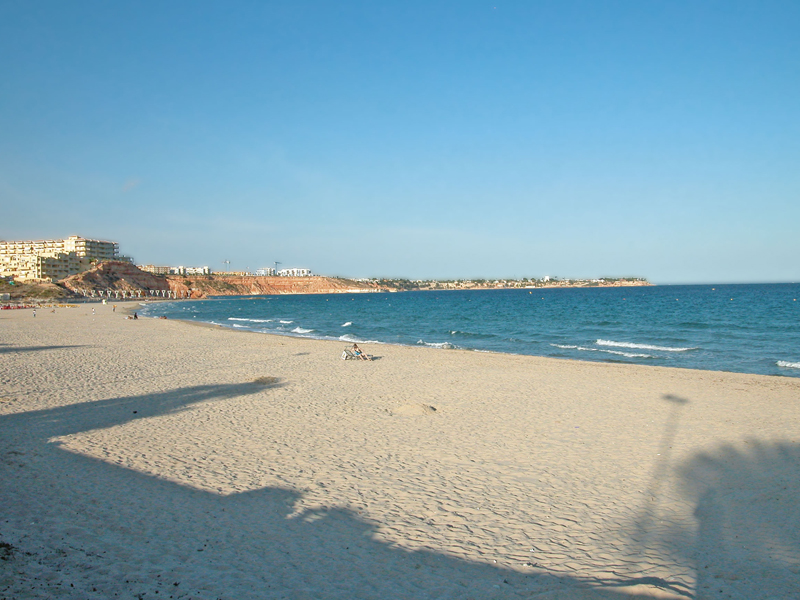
{"points": [[160, 459]]}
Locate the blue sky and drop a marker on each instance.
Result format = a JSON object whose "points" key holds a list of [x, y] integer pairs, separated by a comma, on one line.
{"points": [[410, 139]]}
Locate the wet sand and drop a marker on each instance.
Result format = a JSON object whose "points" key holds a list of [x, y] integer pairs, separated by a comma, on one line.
{"points": [[154, 457]]}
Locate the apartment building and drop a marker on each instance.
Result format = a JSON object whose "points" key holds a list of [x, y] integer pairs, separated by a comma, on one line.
{"points": [[155, 269], [181, 270], [294, 273], [51, 260]]}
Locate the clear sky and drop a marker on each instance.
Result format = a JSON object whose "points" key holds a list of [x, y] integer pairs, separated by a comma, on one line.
{"points": [[410, 139]]}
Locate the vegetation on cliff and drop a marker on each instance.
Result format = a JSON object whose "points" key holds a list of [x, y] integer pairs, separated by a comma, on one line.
{"points": [[19, 292]]}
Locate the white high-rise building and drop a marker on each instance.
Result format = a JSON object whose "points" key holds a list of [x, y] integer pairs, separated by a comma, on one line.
{"points": [[51, 260]]}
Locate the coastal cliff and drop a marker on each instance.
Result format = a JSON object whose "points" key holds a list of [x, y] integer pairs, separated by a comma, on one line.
{"points": [[236, 285], [114, 275], [125, 277]]}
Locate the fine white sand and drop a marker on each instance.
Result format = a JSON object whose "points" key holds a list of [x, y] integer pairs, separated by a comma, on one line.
{"points": [[138, 459]]}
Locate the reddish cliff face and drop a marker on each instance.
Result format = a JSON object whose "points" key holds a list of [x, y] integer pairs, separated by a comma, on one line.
{"points": [[114, 275], [229, 285], [127, 277]]}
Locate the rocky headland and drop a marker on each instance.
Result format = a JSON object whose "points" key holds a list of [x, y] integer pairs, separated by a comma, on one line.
{"points": [[121, 279]]}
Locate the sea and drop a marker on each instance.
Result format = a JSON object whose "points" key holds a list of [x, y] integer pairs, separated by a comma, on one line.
{"points": [[744, 328]]}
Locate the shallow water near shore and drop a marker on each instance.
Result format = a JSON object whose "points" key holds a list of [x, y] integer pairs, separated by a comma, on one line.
{"points": [[747, 328]]}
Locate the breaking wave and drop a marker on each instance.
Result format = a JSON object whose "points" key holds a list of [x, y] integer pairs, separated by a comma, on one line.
{"points": [[251, 320], [640, 346], [355, 340], [301, 330], [471, 334], [788, 365], [446, 345], [617, 352]]}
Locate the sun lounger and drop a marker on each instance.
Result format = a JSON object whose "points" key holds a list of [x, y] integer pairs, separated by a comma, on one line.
{"points": [[348, 354]]}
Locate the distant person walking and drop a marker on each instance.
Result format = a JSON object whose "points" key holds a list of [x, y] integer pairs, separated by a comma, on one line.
{"points": [[34, 313]]}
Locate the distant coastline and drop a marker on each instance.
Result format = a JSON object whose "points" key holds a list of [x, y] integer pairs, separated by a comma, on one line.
{"points": [[493, 284], [117, 280]]}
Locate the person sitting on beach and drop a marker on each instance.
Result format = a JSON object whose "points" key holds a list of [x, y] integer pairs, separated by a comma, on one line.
{"points": [[357, 351]]}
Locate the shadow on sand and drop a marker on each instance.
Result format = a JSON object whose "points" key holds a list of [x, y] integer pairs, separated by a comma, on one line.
{"points": [[747, 539], [6, 349], [205, 545], [745, 542]]}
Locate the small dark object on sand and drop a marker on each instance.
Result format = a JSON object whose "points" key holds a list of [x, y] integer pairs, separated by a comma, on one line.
{"points": [[266, 380], [6, 551]]}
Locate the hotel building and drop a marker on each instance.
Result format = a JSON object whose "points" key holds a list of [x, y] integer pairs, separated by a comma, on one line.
{"points": [[52, 260]]}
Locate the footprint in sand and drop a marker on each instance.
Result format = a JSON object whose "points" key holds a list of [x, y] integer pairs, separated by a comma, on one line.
{"points": [[413, 410]]}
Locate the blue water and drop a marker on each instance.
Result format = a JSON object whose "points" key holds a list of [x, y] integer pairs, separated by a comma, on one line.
{"points": [[743, 328]]}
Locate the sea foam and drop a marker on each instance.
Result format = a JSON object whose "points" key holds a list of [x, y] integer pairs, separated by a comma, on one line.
{"points": [[250, 320], [640, 346], [350, 338], [788, 365], [617, 352], [446, 345]]}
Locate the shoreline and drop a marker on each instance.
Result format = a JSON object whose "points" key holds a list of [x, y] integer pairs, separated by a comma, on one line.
{"points": [[470, 351], [149, 455], [454, 347], [458, 349]]}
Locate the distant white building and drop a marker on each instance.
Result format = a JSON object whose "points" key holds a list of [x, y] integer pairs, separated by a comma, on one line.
{"points": [[265, 272], [154, 269], [180, 270], [294, 273]]}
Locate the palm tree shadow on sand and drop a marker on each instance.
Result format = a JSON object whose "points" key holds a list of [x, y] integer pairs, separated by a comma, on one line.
{"points": [[159, 535], [745, 539]]}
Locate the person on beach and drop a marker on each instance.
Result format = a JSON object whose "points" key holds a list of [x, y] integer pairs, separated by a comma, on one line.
{"points": [[135, 316], [357, 351]]}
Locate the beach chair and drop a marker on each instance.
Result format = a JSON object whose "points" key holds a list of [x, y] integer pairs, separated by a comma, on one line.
{"points": [[348, 354]]}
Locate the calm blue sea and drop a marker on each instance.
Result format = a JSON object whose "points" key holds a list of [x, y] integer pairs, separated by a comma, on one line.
{"points": [[743, 328]]}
